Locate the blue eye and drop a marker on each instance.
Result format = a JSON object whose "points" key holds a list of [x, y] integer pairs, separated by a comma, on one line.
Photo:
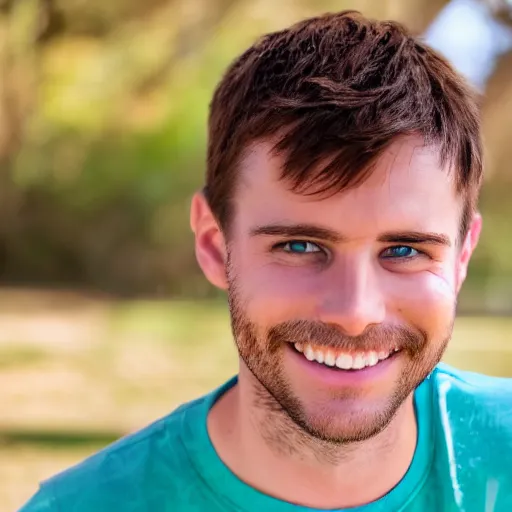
{"points": [[400, 251], [300, 247]]}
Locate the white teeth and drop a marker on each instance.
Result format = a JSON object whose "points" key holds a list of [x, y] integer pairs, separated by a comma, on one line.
{"points": [[371, 359], [344, 362], [309, 353], [359, 362], [330, 359]]}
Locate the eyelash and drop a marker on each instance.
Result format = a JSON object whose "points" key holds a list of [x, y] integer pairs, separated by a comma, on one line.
{"points": [[280, 247]]}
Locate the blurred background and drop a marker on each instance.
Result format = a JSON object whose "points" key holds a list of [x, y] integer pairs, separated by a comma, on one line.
{"points": [[106, 322]]}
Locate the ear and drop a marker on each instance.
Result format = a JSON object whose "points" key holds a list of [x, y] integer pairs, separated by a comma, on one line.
{"points": [[468, 246], [209, 241]]}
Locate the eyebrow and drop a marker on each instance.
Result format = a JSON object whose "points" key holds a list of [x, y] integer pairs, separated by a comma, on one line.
{"points": [[299, 231], [416, 237], [329, 235]]}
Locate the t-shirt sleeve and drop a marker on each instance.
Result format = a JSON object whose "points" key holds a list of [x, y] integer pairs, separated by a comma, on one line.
{"points": [[42, 501]]}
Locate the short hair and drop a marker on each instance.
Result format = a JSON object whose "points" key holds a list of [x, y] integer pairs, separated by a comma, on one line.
{"points": [[333, 92]]}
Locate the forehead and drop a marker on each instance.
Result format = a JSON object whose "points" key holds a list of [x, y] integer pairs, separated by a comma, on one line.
{"points": [[407, 189]]}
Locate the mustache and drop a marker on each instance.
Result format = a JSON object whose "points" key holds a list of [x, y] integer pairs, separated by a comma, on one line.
{"points": [[378, 337]]}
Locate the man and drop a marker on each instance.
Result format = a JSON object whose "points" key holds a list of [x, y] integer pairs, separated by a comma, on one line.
{"points": [[339, 214]]}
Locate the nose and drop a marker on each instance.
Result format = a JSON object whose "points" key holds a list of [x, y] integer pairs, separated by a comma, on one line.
{"points": [[354, 299]]}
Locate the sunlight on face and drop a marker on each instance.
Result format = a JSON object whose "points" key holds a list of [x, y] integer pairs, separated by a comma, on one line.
{"points": [[371, 267]]}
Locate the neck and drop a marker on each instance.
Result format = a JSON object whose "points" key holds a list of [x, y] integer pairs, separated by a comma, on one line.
{"points": [[268, 451]]}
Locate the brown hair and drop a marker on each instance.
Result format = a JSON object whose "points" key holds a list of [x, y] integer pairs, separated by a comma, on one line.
{"points": [[340, 88]]}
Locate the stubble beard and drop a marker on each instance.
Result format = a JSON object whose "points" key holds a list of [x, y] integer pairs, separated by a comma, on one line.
{"points": [[286, 420]]}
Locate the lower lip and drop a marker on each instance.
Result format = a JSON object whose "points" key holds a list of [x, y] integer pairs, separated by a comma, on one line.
{"points": [[336, 377]]}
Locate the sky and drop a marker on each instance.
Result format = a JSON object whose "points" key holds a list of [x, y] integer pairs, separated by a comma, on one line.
{"points": [[469, 36]]}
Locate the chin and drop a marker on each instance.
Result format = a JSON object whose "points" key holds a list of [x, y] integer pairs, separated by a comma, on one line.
{"points": [[347, 422]]}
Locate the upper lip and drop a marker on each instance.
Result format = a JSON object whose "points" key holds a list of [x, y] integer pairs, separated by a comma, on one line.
{"points": [[347, 350]]}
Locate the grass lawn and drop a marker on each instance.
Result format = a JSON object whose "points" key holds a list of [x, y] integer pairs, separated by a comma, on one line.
{"points": [[76, 373]]}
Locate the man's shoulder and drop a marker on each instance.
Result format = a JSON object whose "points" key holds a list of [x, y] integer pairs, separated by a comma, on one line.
{"points": [[120, 469], [472, 435], [473, 383], [474, 401]]}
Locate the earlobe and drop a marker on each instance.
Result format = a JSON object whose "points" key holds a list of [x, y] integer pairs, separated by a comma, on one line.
{"points": [[468, 246], [209, 241], [476, 228]]}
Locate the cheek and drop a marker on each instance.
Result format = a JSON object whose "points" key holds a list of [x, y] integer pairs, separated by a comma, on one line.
{"points": [[426, 300], [274, 294]]}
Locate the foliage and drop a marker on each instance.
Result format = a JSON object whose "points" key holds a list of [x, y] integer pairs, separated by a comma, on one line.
{"points": [[103, 109]]}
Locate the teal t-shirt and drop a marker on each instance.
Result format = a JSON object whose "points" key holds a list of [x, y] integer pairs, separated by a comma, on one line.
{"points": [[462, 462]]}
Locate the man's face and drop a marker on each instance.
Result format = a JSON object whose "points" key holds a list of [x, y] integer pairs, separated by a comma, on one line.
{"points": [[341, 306]]}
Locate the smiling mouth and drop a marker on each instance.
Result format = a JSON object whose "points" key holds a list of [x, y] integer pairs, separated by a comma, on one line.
{"points": [[336, 359]]}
